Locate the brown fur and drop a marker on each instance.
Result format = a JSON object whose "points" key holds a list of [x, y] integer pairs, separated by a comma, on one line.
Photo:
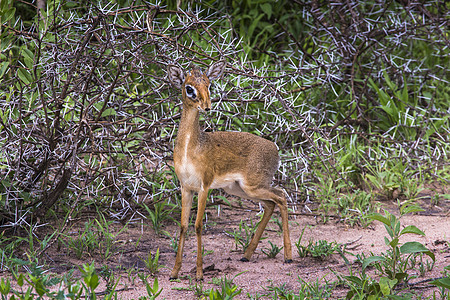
{"points": [[241, 163]]}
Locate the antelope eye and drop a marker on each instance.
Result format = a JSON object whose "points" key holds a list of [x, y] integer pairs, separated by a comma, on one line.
{"points": [[190, 92]]}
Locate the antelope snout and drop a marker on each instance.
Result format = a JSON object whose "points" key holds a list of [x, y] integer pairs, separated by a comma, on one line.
{"points": [[205, 105], [204, 108]]}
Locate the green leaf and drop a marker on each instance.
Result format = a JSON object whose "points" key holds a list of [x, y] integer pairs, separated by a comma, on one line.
{"points": [[5, 287], [39, 286], [253, 25], [442, 282], [408, 208], [5, 41], [24, 75], [391, 85], [109, 112], [356, 280], [28, 294], [267, 9], [7, 15], [405, 92], [416, 247], [27, 53], [372, 259], [400, 276], [394, 243], [396, 228], [412, 229], [153, 291], [20, 280], [386, 285], [3, 5], [379, 217], [94, 281], [28, 57], [3, 67], [389, 231]]}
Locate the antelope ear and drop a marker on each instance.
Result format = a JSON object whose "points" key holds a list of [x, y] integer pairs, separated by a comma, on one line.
{"points": [[176, 75], [215, 70]]}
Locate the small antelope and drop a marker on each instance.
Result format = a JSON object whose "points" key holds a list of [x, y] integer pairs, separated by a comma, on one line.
{"points": [[241, 163]]}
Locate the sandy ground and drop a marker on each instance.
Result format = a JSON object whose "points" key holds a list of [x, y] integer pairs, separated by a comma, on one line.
{"points": [[261, 272], [254, 277]]}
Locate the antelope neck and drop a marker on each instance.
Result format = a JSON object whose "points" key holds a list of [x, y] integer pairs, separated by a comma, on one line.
{"points": [[189, 128]]}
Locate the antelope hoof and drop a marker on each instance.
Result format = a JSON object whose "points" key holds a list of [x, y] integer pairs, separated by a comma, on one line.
{"points": [[244, 259], [173, 275], [288, 261]]}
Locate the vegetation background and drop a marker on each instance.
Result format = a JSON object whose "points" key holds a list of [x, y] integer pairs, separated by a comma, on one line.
{"points": [[354, 93]]}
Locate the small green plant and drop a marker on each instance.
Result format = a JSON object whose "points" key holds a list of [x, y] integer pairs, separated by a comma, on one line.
{"points": [[243, 235], [153, 291], [37, 283], [364, 287], [424, 266], [7, 253], [280, 292], [272, 251], [160, 212], [195, 286], [319, 289], [302, 250], [396, 176], [131, 275], [228, 290], [393, 265], [327, 190], [86, 241], [105, 238], [5, 287], [385, 182], [90, 278], [173, 241], [107, 274], [277, 221], [97, 237], [152, 262], [354, 207], [320, 249], [443, 284], [206, 252], [398, 259]]}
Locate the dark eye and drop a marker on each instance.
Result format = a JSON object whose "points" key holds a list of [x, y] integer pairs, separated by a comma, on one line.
{"points": [[190, 92]]}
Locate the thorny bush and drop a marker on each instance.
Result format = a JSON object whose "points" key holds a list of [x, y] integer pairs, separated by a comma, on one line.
{"points": [[88, 117]]}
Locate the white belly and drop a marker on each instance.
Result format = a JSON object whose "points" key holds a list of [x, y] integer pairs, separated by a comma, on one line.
{"points": [[227, 181], [188, 175], [232, 184]]}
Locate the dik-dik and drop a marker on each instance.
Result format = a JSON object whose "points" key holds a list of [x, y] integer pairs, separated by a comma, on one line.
{"points": [[241, 163]]}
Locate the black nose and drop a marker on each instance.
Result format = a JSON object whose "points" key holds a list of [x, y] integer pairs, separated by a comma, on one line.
{"points": [[207, 109]]}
